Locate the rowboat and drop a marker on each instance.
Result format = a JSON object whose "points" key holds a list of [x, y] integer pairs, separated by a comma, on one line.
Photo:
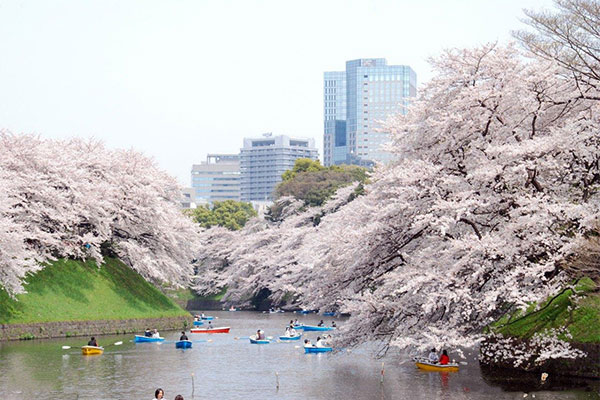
{"points": [[286, 338], [207, 318], [198, 323], [183, 344], [307, 311], [140, 339], [253, 340], [91, 350], [317, 328], [426, 365], [310, 349], [224, 329]]}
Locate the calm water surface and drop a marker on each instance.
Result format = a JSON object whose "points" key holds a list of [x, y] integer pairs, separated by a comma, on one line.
{"points": [[227, 368]]}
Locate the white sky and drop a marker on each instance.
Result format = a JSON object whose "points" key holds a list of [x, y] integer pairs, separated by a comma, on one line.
{"points": [[178, 79]]}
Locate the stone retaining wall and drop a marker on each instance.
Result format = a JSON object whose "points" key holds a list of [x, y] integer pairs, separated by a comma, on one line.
{"points": [[89, 328]]}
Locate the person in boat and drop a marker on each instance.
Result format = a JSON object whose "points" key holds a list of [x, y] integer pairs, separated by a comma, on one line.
{"points": [[155, 334], [93, 342], [320, 342], [333, 325], [296, 322], [307, 343], [287, 331], [159, 394], [293, 332], [209, 326], [148, 333], [202, 315], [444, 359], [321, 323], [183, 336], [433, 356]]}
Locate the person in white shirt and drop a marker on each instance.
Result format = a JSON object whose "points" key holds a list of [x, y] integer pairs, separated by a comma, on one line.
{"points": [[307, 343], [433, 357], [155, 334], [293, 332], [319, 342]]}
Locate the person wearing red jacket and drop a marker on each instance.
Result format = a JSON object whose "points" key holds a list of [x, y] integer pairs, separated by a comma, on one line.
{"points": [[444, 359]]}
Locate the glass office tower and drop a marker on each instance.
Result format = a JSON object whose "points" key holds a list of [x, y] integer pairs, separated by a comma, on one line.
{"points": [[373, 91], [263, 161], [334, 102]]}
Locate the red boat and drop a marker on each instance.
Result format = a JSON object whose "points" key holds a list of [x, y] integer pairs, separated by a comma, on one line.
{"points": [[223, 329]]}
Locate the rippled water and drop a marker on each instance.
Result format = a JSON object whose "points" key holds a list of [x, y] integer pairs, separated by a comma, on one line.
{"points": [[227, 368]]}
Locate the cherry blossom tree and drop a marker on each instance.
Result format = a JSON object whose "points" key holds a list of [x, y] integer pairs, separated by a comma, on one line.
{"points": [[78, 199], [495, 188]]}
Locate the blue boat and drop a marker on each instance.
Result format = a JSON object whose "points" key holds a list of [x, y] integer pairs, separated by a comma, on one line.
{"points": [[307, 311], [329, 314], [141, 339], [286, 338], [207, 318], [259, 341], [317, 350], [183, 344], [317, 328], [198, 323]]}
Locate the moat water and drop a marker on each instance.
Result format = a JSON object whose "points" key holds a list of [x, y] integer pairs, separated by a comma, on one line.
{"points": [[228, 368]]}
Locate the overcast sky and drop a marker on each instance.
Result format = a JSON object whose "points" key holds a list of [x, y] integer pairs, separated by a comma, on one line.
{"points": [[179, 79]]}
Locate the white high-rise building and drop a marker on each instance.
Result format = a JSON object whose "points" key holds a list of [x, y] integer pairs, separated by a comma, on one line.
{"points": [[263, 160]]}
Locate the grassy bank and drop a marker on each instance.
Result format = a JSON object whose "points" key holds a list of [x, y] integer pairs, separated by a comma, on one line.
{"points": [[576, 310], [69, 290]]}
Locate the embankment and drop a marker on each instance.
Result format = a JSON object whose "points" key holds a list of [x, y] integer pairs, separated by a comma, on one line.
{"points": [[536, 340], [71, 298]]}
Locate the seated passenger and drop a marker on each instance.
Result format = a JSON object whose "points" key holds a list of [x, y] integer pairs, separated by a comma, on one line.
{"points": [[93, 342], [333, 325], [183, 336], [307, 343], [321, 323], [293, 332], [320, 342], [155, 334], [444, 359], [147, 333], [433, 357]]}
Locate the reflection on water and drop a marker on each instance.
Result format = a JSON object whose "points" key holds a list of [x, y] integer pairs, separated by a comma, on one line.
{"points": [[227, 368]]}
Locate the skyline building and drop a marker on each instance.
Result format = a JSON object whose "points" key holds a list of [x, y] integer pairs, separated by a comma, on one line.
{"points": [[263, 160], [356, 102], [216, 179]]}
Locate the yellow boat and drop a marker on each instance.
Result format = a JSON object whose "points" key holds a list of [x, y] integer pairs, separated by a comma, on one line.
{"points": [[426, 365], [91, 350]]}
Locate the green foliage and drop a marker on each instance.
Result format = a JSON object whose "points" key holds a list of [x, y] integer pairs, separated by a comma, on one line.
{"points": [[230, 214], [314, 184], [577, 311], [302, 165], [70, 290]]}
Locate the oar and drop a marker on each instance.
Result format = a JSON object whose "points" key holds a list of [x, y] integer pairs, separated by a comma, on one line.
{"points": [[242, 337], [78, 347]]}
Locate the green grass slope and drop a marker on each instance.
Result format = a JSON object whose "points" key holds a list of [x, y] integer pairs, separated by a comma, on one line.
{"points": [[70, 290], [578, 311]]}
